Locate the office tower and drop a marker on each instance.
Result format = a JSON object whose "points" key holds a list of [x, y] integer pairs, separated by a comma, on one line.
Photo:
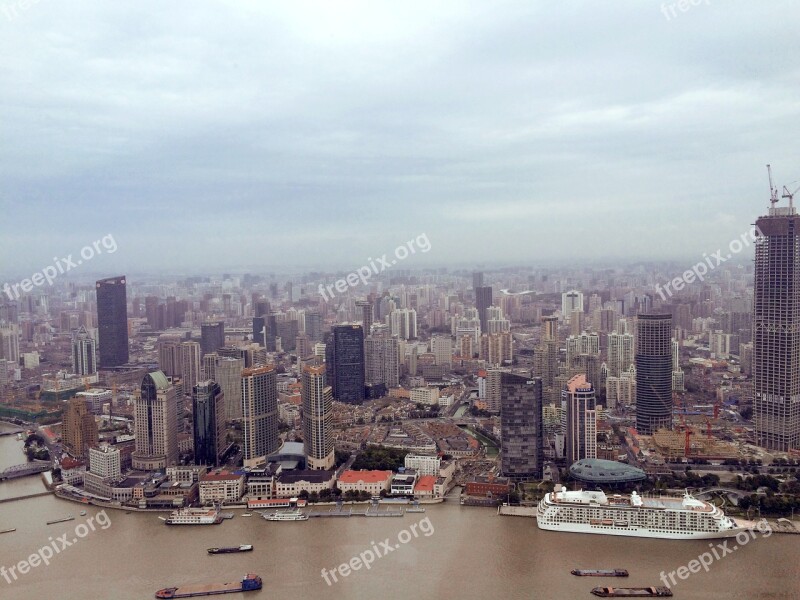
{"points": [[208, 417], [287, 332], [151, 312], [579, 407], [620, 353], [365, 314], [477, 279], [112, 321], [314, 326], [259, 415], [229, 377], [84, 355], [190, 364], [653, 372], [483, 300], [212, 337], [302, 346], [403, 323], [210, 366], [442, 350], [170, 356], [155, 424], [571, 301], [522, 447], [345, 363], [776, 330], [259, 327], [79, 428], [494, 391], [382, 360], [317, 399]]}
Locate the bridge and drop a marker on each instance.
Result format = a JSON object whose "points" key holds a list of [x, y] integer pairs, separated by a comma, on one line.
{"points": [[23, 470]]}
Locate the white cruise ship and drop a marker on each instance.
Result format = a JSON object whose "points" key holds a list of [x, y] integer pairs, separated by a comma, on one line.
{"points": [[663, 517], [286, 515], [194, 516]]}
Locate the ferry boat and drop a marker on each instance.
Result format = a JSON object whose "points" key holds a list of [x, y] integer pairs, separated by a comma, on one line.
{"points": [[194, 516], [646, 592], [249, 583], [231, 550], [286, 515], [662, 517], [600, 572]]}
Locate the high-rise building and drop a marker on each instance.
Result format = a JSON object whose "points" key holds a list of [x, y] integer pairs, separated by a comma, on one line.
{"points": [[365, 314], [580, 411], [522, 446], [494, 390], [477, 279], [84, 355], [112, 321], [317, 399], [776, 330], [382, 360], [620, 353], [497, 348], [403, 323], [483, 300], [79, 428], [155, 424], [9, 343], [259, 327], [208, 417], [570, 302], [345, 363], [259, 415], [653, 372], [190, 365], [442, 350], [228, 373], [314, 326], [212, 337]]}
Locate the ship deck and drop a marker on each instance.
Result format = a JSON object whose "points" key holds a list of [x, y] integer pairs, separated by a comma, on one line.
{"points": [[206, 588]]}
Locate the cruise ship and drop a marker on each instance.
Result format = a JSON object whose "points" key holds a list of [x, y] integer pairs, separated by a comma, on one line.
{"points": [[194, 516], [286, 515], [663, 517]]}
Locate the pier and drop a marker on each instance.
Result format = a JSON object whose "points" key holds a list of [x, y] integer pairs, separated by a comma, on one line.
{"points": [[339, 512]]}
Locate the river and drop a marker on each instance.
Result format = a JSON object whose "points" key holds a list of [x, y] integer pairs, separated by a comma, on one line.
{"points": [[458, 552]]}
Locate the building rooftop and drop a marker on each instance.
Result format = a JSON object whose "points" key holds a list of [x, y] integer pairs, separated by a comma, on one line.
{"points": [[595, 470], [365, 476], [220, 476], [425, 483], [312, 476]]}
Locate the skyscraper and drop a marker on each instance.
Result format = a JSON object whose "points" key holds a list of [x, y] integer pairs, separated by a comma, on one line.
{"points": [[345, 363], [477, 279], [259, 326], [112, 321], [579, 407], [208, 416], [228, 373], [382, 359], [653, 372], [155, 424], [365, 308], [259, 414], [776, 330], [314, 326], [212, 337], [79, 428], [84, 356], [317, 398], [483, 300], [522, 447]]}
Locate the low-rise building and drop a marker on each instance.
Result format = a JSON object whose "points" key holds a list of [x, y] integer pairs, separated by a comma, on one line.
{"points": [[221, 486], [488, 487], [425, 487], [372, 482], [423, 464], [403, 483], [290, 484]]}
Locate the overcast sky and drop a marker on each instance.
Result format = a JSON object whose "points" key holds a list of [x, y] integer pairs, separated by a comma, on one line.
{"points": [[236, 134]]}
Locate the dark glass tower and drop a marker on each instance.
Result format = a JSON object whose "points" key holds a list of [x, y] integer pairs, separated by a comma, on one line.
{"points": [[344, 355], [112, 321], [653, 373], [209, 423], [522, 449], [776, 330], [212, 337], [259, 323], [483, 300]]}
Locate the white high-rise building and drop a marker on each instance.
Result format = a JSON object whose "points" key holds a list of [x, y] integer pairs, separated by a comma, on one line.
{"points": [[571, 301], [9, 343], [442, 350], [155, 424], [229, 377], [317, 402], [105, 462], [620, 353], [403, 323], [259, 415], [84, 353]]}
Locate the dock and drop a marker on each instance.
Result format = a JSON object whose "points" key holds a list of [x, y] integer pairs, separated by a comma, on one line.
{"points": [[350, 512]]}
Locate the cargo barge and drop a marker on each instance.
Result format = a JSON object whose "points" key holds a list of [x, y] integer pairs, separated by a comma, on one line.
{"points": [[645, 592], [250, 583], [231, 550], [600, 572]]}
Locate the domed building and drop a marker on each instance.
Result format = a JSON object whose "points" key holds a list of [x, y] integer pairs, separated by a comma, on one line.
{"points": [[605, 472]]}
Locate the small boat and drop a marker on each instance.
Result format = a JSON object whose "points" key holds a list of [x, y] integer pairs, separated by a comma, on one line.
{"points": [[83, 513], [247, 514], [64, 520], [415, 508], [163, 518], [226, 515], [600, 572], [286, 515], [250, 583], [645, 592], [8, 530], [231, 550]]}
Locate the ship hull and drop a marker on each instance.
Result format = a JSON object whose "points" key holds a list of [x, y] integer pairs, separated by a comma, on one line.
{"points": [[640, 532]]}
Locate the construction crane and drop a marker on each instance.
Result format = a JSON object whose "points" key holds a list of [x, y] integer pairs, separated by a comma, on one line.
{"points": [[773, 191], [687, 448], [789, 195]]}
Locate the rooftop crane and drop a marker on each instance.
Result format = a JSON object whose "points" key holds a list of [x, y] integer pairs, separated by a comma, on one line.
{"points": [[773, 191]]}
